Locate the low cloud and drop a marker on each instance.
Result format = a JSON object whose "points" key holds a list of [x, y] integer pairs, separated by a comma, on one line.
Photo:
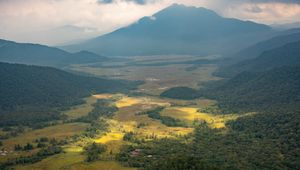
{"points": [[38, 20], [140, 2]]}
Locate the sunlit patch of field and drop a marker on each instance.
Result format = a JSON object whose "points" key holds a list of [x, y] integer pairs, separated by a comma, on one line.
{"points": [[73, 148], [58, 132], [111, 136], [102, 96], [127, 101], [81, 110], [129, 119], [191, 114]]}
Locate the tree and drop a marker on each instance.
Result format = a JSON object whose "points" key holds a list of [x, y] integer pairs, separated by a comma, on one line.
{"points": [[93, 151], [28, 146]]}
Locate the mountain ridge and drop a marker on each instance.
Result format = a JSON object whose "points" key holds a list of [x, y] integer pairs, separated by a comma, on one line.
{"points": [[37, 54], [177, 29]]}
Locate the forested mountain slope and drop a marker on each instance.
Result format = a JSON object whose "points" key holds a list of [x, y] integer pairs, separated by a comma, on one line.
{"points": [[30, 93], [286, 55], [35, 54]]}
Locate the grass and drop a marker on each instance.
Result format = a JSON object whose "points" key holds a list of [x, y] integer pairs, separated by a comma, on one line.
{"points": [[81, 110], [191, 114], [101, 165], [157, 78], [128, 119], [127, 101], [109, 137], [58, 131], [72, 160]]}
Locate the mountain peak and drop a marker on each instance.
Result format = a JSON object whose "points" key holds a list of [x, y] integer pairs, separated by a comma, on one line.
{"points": [[177, 29], [176, 10]]}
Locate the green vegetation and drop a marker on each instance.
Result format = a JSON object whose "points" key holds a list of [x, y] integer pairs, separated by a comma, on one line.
{"points": [[93, 151], [274, 90], [166, 120], [184, 93], [28, 91], [102, 109], [209, 149], [266, 140], [42, 154], [35, 54], [286, 55], [277, 89]]}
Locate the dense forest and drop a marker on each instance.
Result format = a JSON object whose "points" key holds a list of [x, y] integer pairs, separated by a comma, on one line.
{"points": [[28, 91], [286, 55], [269, 139], [185, 93], [260, 142], [275, 89]]}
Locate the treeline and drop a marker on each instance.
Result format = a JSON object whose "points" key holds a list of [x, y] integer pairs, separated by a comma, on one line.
{"points": [[32, 94], [166, 120], [44, 147], [209, 149], [103, 108], [276, 89], [40, 155]]}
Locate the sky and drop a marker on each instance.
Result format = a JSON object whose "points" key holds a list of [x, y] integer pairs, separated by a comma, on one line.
{"points": [[58, 22]]}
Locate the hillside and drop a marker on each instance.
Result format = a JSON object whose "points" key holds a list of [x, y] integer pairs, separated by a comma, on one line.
{"points": [[30, 93], [35, 54], [287, 55], [177, 29], [277, 89], [275, 42]]}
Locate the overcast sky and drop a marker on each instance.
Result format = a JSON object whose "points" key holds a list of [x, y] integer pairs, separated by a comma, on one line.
{"points": [[55, 22]]}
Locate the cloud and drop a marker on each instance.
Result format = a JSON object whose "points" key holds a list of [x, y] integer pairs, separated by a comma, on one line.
{"points": [[140, 2], [50, 21]]}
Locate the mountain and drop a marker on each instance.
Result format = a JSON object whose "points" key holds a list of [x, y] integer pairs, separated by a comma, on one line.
{"points": [[35, 54], [255, 50], [177, 29], [275, 89], [31, 94], [287, 55], [286, 25]]}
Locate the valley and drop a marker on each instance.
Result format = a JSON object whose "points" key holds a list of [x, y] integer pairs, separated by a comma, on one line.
{"points": [[157, 72], [162, 86], [130, 116]]}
